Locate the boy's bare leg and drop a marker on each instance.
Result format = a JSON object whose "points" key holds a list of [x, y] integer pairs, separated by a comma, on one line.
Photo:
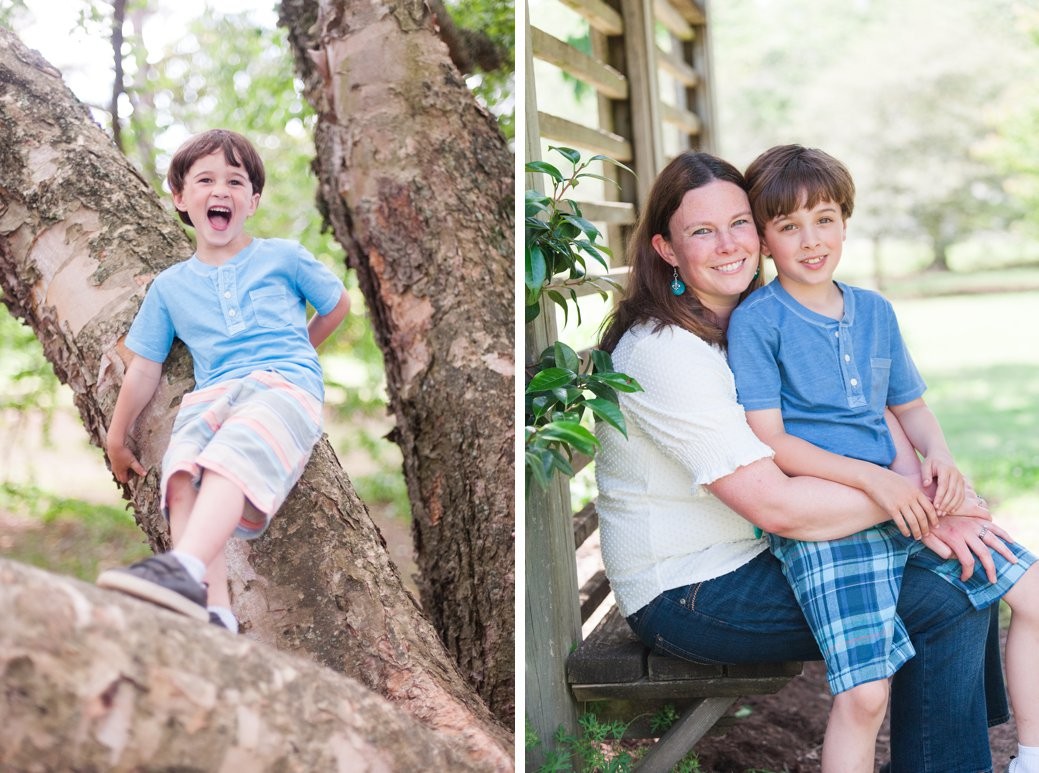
{"points": [[213, 518], [1022, 644], [216, 577], [851, 731], [181, 496]]}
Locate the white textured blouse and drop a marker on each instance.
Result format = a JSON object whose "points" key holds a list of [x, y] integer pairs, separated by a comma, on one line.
{"points": [[660, 527]]}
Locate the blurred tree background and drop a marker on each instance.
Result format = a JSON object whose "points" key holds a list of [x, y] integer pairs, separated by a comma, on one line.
{"points": [[155, 72], [931, 104]]}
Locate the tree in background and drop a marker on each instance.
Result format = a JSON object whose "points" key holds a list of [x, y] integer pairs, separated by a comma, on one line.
{"points": [[908, 95], [416, 181]]}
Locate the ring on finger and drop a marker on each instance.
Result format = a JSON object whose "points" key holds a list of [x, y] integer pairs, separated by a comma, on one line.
{"points": [[983, 532]]}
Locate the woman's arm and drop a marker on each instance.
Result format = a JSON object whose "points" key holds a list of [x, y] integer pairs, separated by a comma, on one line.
{"points": [[896, 495], [802, 507]]}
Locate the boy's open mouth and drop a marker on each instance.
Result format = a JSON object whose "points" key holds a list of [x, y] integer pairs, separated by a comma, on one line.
{"points": [[219, 217]]}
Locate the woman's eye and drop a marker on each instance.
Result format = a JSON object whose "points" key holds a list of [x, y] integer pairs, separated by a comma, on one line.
{"points": [[740, 221], [701, 231]]}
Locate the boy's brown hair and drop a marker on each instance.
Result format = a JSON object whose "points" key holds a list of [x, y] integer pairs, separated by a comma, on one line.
{"points": [[238, 151], [787, 177]]}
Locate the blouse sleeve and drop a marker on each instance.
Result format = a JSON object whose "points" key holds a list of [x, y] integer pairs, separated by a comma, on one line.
{"points": [[688, 406]]}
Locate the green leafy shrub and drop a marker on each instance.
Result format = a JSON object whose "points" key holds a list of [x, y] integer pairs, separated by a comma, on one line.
{"points": [[561, 389]]}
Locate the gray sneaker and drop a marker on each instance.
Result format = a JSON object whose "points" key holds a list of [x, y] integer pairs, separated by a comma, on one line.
{"points": [[162, 580]]}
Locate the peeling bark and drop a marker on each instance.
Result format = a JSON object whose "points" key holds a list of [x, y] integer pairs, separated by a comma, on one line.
{"points": [[81, 235], [417, 183], [98, 681]]}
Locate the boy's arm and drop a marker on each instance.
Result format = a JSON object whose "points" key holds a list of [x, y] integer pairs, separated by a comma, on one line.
{"points": [[321, 326], [898, 496], [139, 384], [921, 426]]}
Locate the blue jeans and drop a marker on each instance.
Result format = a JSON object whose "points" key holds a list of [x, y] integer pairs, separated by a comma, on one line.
{"points": [[939, 711]]}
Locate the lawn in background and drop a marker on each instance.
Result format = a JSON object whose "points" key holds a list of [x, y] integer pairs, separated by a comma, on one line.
{"points": [[980, 357]]}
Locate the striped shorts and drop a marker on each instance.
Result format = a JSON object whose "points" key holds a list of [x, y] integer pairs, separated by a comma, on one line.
{"points": [[257, 431], [848, 590]]}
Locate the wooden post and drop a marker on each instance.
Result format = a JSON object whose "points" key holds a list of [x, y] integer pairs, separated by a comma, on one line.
{"points": [[640, 54], [551, 610]]}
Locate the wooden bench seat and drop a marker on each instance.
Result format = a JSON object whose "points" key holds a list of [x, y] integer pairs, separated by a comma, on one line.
{"points": [[625, 680]]}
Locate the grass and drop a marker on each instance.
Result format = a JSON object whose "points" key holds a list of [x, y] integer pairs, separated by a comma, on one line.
{"points": [[68, 536], [980, 357]]}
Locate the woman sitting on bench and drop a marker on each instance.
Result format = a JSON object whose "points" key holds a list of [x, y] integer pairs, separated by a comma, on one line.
{"points": [[680, 498]]}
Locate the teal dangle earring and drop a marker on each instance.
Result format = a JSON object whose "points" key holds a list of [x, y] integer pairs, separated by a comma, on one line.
{"points": [[677, 285]]}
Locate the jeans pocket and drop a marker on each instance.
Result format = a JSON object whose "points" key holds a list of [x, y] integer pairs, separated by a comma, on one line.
{"points": [[667, 646]]}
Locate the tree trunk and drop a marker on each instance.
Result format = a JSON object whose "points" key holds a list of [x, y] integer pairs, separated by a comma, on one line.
{"points": [[417, 182], [99, 681], [81, 235]]}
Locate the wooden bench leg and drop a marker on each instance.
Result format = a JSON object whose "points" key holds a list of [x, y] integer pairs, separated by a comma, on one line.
{"points": [[679, 740]]}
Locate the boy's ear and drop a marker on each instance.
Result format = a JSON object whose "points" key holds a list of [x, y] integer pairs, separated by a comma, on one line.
{"points": [[255, 202], [178, 201], [764, 250], [663, 248]]}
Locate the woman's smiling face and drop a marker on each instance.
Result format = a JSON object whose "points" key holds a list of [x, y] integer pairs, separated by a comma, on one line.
{"points": [[714, 244]]}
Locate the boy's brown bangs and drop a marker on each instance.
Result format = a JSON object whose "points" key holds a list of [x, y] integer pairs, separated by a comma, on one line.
{"points": [[800, 188]]}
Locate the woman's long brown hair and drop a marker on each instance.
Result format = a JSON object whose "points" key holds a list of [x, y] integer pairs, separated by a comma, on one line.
{"points": [[648, 294]]}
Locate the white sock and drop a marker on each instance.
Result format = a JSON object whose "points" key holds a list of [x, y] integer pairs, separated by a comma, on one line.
{"points": [[226, 617], [1027, 760], [192, 565]]}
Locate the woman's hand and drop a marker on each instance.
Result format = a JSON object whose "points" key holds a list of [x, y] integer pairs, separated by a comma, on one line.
{"points": [[967, 537], [973, 506]]}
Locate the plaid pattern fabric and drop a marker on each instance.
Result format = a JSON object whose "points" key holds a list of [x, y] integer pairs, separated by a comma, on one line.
{"points": [[848, 590]]}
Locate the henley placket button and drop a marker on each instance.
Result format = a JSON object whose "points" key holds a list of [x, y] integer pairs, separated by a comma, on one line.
{"points": [[231, 313], [854, 382]]}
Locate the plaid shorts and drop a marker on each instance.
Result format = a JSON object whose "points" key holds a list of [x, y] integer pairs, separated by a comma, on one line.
{"points": [[257, 431], [848, 590]]}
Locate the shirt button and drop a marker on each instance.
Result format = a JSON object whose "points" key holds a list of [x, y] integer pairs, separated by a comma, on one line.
{"points": [[854, 382], [231, 313], [227, 293], [847, 358], [837, 333]]}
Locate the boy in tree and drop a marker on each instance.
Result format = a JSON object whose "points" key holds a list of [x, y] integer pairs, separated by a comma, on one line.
{"points": [[818, 365], [242, 438]]}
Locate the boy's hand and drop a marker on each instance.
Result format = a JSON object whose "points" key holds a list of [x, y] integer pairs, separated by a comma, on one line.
{"points": [[910, 509], [123, 461], [951, 485]]}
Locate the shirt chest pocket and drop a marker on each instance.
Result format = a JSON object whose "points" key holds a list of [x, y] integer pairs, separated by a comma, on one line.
{"points": [[271, 307], [880, 372]]}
